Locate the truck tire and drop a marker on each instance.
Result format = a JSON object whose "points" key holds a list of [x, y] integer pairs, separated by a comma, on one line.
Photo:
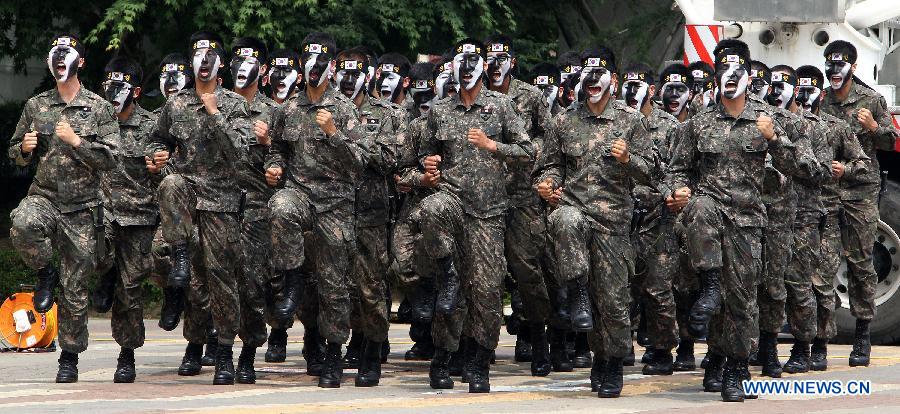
{"points": [[885, 328]]}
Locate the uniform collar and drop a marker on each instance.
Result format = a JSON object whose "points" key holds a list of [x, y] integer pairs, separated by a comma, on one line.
{"points": [[607, 114], [748, 113], [479, 100], [80, 99], [136, 116], [329, 98]]}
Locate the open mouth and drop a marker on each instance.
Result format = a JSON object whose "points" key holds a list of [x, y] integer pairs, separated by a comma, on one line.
{"points": [[467, 77], [424, 108], [632, 102], [778, 101], [496, 75], [594, 90], [836, 79], [242, 77], [61, 68], [730, 86], [171, 90], [673, 106], [385, 92], [348, 90], [204, 72], [313, 76]]}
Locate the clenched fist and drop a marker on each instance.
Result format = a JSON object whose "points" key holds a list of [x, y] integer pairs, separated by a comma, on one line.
{"points": [[478, 138], [620, 151], [865, 118], [431, 163], [65, 132], [273, 176], [210, 103], [678, 199], [326, 122], [29, 142], [837, 169], [431, 179], [766, 127], [159, 160], [261, 130]]}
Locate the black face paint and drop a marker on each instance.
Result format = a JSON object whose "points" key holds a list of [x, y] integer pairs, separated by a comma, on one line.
{"points": [[675, 95], [244, 71], [389, 83], [468, 69], [837, 71], [118, 93], [206, 64], [423, 97], [732, 76], [571, 77], [636, 90], [63, 62], [316, 65], [350, 82]]}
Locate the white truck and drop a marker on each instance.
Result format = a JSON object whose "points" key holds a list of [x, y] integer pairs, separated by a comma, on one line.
{"points": [[795, 32]]}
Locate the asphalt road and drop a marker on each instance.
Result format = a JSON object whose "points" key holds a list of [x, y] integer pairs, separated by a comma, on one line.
{"points": [[26, 385]]}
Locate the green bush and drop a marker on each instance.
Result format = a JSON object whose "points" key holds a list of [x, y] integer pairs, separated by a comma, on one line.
{"points": [[12, 272]]}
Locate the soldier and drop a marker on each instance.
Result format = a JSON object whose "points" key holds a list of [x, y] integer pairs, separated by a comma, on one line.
{"points": [[655, 242], [71, 134], [130, 198], [569, 64], [210, 128], [314, 156], [392, 79], [702, 86], [852, 101], [382, 125], [850, 162], [723, 151], [760, 79], [248, 62], [283, 78], [470, 139], [525, 245]]}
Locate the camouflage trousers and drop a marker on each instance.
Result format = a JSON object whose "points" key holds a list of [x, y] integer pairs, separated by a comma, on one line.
{"points": [[410, 265], [331, 244], [858, 233], [800, 307], [215, 258], [370, 296], [131, 247], [476, 245], [715, 242], [608, 262], [772, 293], [529, 260], [38, 229], [823, 278], [255, 275], [659, 255]]}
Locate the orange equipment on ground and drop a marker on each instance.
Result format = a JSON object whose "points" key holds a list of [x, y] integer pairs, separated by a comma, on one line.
{"points": [[22, 327]]}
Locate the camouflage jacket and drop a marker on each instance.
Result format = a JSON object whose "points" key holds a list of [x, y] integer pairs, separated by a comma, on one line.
{"points": [[252, 175], [661, 127], [577, 157], [846, 149], [207, 149], [382, 125], [863, 186], [130, 190], [476, 176], [809, 189], [532, 108], [69, 177], [325, 168], [410, 172], [727, 157]]}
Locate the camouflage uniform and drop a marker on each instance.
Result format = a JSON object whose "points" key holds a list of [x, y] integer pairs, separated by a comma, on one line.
{"points": [[130, 200], [382, 125], [255, 273], [62, 208], [656, 244], [465, 218], [590, 228], [526, 244], [313, 215], [845, 149], [204, 197], [725, 217], [860, 198], [407, 264]]}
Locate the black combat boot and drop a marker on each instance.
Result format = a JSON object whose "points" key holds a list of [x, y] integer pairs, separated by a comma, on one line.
{"points": [[180, 275], [421, 351], [385, 351], [559, 356], [246, 374], [712, 374], [540, 351], [313, 351], [611, 387], [523, 348], [862, 346], [480, 381], [648, 355], [580, 305], [705, 360], [754, 360], [190, 364], [333, 370], [172, 307], [47, 279], [581, 358], [457, 364], [744, 368], [732, 390], [277, 349], [212, 347], [768, 354], [104, 293], [422, 302], [471, 348], [354, 350], [818, 359], [799, 360], [629, 359], [369, 373], [292, 292], [448, 286], [224, 366], [660, 364], [684, 356], [68, 367], [125, 371], [559, 300], [439, 372], [707, 305], [598, 373]]}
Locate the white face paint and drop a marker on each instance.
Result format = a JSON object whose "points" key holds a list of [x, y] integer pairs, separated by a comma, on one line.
{"points": [[807, 96], [206, 71], [550, 93], [245, 71], [359, 80], [122, 97], [171, 82], [635, 93], [675, 96], [443, 83], [784, 90], [63, 62], [838, 77], [598, 84], [389, 81], [468, 65], [283, 81], [739, 79], [499, 64], [322, 68]]}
